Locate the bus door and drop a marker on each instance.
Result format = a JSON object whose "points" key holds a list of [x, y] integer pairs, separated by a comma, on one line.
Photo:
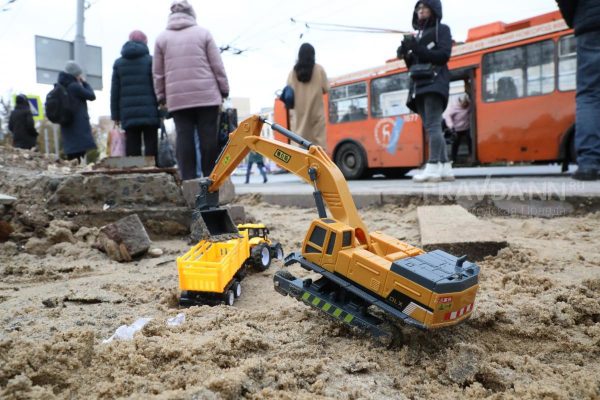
{"points": [[462, 150]]}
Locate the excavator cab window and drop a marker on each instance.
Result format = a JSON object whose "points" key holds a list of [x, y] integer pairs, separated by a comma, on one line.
{"points": [[316, 240], [318, 236], [347, 239], [331, 244]]}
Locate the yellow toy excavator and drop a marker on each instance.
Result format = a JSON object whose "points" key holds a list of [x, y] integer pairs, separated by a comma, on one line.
{"points": [[358, 269]]}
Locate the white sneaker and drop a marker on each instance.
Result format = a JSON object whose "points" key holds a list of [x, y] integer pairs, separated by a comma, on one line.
{"points": [[431, 173], [446, 172]]}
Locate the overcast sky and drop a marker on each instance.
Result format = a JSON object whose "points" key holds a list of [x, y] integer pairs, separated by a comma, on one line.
{"points": [[261, 27]]}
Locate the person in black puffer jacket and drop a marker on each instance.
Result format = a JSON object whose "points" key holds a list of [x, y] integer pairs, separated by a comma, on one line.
{"points": [[21, 125], [428, 95], [584, 16], [133, 103]]}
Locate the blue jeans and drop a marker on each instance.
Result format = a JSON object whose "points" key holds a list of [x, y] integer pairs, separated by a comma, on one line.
{"points": [[261, 168], [430, 107], [587, 134]]}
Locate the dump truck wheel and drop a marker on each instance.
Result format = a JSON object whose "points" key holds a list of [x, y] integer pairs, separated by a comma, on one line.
{"points": [[277, 251], [261, 257], [237, 289], [229, 297]]}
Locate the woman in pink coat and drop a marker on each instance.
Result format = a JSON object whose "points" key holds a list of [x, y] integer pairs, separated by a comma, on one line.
{"points": [[189, 77]]}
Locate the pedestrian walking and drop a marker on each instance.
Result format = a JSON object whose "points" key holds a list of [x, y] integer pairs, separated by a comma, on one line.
{"points": [[133, 103], [309, 81], [584, 16], [77, 136], [458, 121], [21, 125], [258, 159], [426, 55], [190, 78]]}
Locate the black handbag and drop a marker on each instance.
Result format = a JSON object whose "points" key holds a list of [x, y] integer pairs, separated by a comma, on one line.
{"points": [[166, 156], [420, 72], [287, 96]]}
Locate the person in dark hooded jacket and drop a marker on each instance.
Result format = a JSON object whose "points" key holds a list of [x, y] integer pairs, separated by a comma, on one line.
{"points": [[21, 125], [430, 49], [133, 102], [584, 16], [77, 136]]}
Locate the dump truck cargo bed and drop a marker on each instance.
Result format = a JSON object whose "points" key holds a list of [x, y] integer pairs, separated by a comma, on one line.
{"points": [[209, 267]]}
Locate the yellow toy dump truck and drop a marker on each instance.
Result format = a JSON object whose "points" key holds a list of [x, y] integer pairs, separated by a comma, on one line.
{"points": [[359, 270], [211, 272]]}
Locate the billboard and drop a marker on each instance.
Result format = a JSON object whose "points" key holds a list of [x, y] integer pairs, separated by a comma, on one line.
{"points": [[51, 55]]}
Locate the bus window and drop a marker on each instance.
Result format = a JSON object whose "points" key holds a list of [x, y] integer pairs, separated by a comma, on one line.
{"points": [[540, 68], [348, 103], [567, 63], [519, 72], [389, 95]]}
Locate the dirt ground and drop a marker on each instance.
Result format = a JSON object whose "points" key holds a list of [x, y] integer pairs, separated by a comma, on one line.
{"points": [[535, 332]]}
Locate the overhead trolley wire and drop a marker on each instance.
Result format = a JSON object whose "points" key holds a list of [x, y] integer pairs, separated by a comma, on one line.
{"points": [[346, 28]]}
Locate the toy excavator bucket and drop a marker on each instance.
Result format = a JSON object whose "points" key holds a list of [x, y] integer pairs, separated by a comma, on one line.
{"points": [[210, 220], [218, 222]]}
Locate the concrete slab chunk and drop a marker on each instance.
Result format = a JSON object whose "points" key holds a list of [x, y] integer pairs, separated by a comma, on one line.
{"points": [[126, 162], [455, 230], [124, 239], [191, 189]]}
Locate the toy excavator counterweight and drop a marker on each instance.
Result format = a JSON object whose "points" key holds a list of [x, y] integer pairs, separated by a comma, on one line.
{"points": [[358, 269]]}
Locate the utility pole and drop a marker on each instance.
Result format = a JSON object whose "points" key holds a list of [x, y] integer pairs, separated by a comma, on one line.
{"points": [[79, 43]]}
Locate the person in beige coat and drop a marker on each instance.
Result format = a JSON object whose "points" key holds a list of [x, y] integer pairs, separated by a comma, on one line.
{"points": [[309, 82]]}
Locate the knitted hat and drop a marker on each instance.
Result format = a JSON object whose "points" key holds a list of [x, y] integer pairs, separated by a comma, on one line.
{"points": [[182, 6], [73, 68], [138, 36]]}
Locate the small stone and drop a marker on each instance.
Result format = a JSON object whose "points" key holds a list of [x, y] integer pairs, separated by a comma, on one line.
{"points": [[5, 231], [465, 363], [51, 302], [155, 252]]}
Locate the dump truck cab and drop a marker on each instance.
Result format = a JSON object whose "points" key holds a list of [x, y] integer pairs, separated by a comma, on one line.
{"points": [[261, 246], [257, 233]]}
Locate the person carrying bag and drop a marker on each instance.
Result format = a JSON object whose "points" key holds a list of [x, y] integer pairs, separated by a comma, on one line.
{"points": [[426, 55]]}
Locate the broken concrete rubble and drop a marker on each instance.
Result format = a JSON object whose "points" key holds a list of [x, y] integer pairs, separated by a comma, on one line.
{"points": [[124, 239], [191, 188]]}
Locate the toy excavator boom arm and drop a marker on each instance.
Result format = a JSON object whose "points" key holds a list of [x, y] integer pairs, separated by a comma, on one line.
{"points": [[302, 161]]}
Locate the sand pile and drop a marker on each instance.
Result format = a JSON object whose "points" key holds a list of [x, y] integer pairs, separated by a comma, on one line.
{"points": [[535, 332]]}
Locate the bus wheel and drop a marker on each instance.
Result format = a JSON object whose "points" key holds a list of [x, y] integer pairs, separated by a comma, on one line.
{"points": [[351, 160]]}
